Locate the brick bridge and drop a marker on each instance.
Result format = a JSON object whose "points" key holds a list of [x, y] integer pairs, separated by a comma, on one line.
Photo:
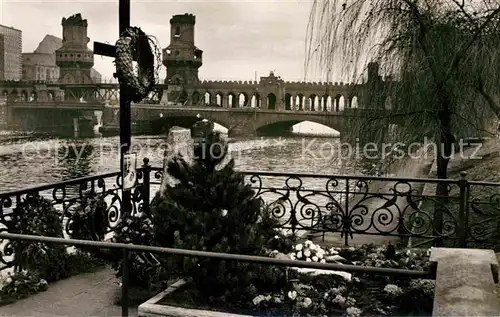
{"points": [[242, 106], [241, 121], [62, 108]]}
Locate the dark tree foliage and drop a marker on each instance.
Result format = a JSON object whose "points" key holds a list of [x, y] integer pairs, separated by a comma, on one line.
{"points": [[212, 209], [442, 57]]}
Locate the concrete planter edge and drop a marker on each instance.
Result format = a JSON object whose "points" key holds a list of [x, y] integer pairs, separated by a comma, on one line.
{"points": [[151, 308]]}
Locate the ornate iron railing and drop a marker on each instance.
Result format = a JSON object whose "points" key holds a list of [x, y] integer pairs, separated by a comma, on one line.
{"points": [[340, 209]]}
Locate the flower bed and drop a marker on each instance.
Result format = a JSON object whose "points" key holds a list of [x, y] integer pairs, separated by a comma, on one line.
{"points": [[310, 292]]}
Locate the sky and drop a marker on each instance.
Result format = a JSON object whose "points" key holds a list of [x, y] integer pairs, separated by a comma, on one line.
{"points": [[238, 37]]}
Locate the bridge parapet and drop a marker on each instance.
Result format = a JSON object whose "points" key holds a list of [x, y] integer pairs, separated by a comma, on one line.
{"points": [[315, 85], [228, 83]]}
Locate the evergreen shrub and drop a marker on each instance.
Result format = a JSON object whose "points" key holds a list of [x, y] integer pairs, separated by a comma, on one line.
{"points": [[211, 208]]}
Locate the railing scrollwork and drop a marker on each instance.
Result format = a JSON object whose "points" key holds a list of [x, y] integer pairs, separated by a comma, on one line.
{"points": [[341, 206]]}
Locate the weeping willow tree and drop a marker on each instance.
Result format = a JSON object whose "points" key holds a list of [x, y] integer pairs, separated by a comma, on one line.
{"points": [[443, 56]]}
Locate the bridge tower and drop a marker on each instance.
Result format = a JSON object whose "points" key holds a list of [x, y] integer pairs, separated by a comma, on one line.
{"points": [[181, 58], [74, 58]]}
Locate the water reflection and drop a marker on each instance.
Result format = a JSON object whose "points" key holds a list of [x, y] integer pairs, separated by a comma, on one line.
{"points": [[28, 160], [76, 161]]}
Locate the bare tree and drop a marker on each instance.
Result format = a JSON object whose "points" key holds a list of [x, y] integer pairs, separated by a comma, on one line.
{"points": [[444, 56]]}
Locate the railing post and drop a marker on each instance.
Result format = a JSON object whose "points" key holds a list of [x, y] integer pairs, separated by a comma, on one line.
{"points": [[146, 185], [346, 225], [463, 211], [125, 276]]}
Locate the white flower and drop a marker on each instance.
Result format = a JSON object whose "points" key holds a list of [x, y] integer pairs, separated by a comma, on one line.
{"points": [[339, 299], [307, 302], [256, 301], [292, 295], [353, 312], [308, 243], [298, 247], [315, 259], [224, 212], [349, 302], [308, 259], [393, 290], [299, 255], [322, 261], [307, 253], [276, 237], [332, 251], [293, 256], [313, 247]]}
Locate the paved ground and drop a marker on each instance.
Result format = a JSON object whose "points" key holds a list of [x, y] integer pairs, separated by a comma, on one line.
{"points": [[86, 295]]}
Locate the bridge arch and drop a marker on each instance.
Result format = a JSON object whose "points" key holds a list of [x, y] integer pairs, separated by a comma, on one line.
{"points": [[219, 99], [196, 98], [299, 102], [288, 101], [232, 101], [271, 101], [164, 123], [242, 100], [285, 125], [354, 103], [339, 103], [255, 102], [208, 98], [24, 96]]}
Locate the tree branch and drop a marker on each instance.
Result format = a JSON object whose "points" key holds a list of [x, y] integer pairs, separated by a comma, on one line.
{"points": [[400, 114], [460, 54], [489, 100]]}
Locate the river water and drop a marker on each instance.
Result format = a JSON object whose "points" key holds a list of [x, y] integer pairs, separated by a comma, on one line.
{"points": [[28, 160]]}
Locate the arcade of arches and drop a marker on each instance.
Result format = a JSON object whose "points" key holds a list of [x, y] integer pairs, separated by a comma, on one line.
{"points": [[291, 102], [24, 95]]}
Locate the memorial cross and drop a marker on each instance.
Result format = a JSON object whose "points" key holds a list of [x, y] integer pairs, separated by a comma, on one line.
{"points": [[125, 133]]}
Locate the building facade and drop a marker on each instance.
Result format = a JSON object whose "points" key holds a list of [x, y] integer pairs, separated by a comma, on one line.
{"points": [[11, 53], [41, 64]]}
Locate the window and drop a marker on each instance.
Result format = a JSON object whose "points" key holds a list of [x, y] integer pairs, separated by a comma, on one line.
{"points": [[177, 31], [169, 52]]}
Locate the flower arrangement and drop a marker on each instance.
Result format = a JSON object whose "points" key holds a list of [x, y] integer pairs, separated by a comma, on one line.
{"points": [[20, 285], [354, 295]]}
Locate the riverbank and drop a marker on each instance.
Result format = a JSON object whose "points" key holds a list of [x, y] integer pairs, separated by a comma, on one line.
{"points": [[478, 163], [372, 200]]}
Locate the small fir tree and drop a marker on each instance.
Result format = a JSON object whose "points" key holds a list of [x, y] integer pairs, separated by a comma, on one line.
{"points": [[212, 209]]}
